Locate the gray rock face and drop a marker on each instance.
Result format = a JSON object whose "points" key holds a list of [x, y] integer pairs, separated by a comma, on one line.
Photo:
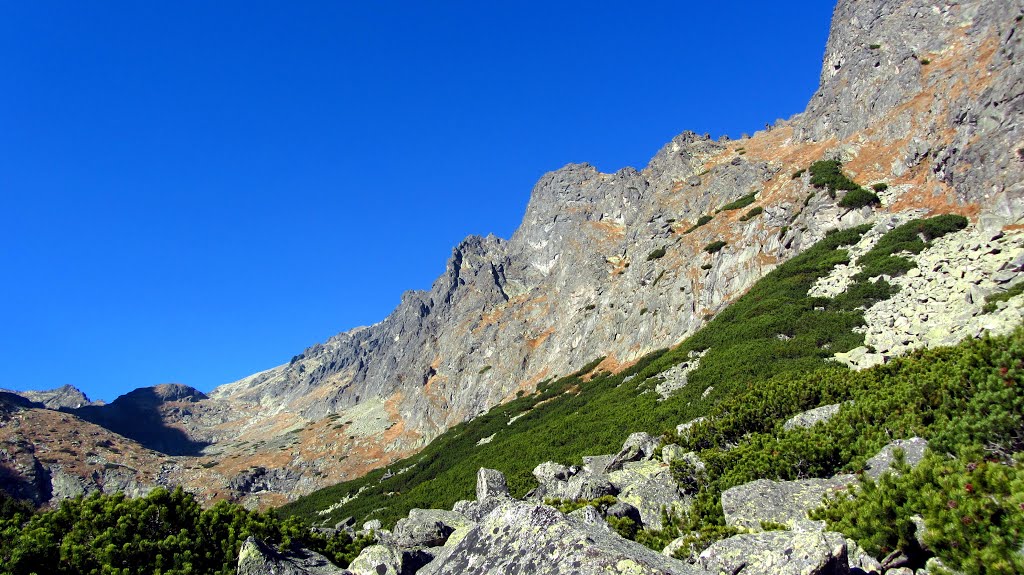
{"points": [[523, 538], [913, 451], [377, 560], [638, 447], [66, 396], [427, 527], [812, 416], [881, 54], [490, 484], [258, 558], [648, 486], [785, 502], [778, 553]]}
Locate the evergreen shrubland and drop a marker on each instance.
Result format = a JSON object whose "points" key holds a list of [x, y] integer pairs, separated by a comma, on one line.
{"points": [[165, 532]]}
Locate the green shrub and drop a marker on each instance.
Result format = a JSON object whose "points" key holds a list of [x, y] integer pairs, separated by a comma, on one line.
{"points": [[798, 173], [752, 213], [875, 46], [971, 510], [859, 198], [828, 174], [656, 254], [740, 203], [715, 246], [911, 237], [164, 532], [880, 186], [700, 222], [690, 478]]}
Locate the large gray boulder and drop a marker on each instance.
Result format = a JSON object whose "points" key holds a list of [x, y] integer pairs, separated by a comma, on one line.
{"points": [[778, 553], [490, 483], [812, 417], [913, 451], [427, 527], [257, 558], [785, 502], [524, 538], [638, 447], [570, 483], [377, 560], [648, 486]]}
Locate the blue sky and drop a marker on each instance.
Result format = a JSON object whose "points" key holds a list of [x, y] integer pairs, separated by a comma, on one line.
{"points": [[195, 191]]}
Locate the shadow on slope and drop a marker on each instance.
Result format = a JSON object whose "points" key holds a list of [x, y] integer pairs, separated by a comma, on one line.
{"points": [[138, 415]]}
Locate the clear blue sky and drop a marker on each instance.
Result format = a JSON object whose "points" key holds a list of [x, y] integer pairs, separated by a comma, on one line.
{"points": [[195, 191]]}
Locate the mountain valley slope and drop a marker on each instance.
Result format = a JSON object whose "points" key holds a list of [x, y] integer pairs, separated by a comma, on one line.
{"points": [[926, 99]]}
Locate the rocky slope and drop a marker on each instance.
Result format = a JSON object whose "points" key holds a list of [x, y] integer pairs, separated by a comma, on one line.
{"points": [[927, 99]]}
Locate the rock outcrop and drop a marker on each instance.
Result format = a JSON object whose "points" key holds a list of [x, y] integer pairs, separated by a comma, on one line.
{"points": [[522, 537], [755, 504], [258, 558], [778, 553]]}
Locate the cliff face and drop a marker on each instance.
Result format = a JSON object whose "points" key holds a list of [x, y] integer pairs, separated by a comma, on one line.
{"points": [[926, 99]]}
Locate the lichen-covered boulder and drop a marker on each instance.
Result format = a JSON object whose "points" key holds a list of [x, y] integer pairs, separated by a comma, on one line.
{"points": [[671, 452], [785, 502], [589, 515], [571, 483], [683, 429], [551, 471], [913, 451], [490, 483], [257, 558], [648, 486], [523, 538], [427, 527], [778, 553], [812, 417], [637, 447], [377, 560]]}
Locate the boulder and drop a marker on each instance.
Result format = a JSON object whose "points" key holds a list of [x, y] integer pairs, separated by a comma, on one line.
{"points": [[683, 429], [520, 537], [622, 510], [785, 502], [550, 471], [377, 560], [778, 553], [589, 515], [812, 416], [596, 463], [570, 483], [586, 486], [257, 558], [913, 450], [671, 452], [639, 446], [427, 527], [490, 483], [648, 486]]}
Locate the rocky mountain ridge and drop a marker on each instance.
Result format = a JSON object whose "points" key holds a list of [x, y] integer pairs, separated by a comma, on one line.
{"points": [[926, 99]]}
